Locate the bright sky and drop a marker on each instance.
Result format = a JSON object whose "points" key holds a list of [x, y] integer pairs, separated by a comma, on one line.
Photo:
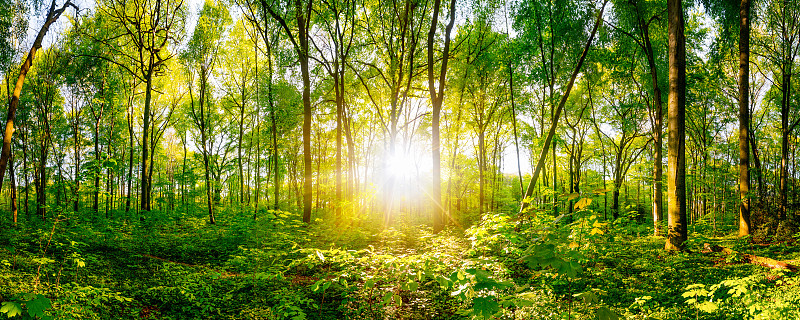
{"points": [[86, 8]]}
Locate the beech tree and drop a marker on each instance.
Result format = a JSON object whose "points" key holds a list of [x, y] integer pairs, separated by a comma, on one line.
{"points": [[139, 34], [676, 155], [53, 13]]}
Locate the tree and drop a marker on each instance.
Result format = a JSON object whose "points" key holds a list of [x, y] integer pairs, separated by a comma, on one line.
{"points": [[200, 58], [52, 15], [138, 35], [744, 118], [676, 153], [779, 45], [437, 97], [338, 20], [301, 9], [549, 139], [640, 16], [238, 77]]}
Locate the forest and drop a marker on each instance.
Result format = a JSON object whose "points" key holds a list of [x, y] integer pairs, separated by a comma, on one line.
{"points": [[400, 159]]}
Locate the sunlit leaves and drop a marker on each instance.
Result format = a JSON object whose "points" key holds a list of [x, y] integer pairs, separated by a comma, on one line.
{"points": [[582, 204], [11, 309], [34, 305]]}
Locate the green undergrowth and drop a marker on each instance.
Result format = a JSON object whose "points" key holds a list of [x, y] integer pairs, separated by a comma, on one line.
{"points": [[534, 266]]}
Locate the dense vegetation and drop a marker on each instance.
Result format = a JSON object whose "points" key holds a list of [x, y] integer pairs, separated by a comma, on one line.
{"points": [[400, 159]]}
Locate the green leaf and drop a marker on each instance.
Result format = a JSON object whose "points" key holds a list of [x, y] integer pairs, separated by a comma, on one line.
{"points": [[413, 286], [588, 297], [36, 307], [482, 275], [604, 313], [485, 307], [316, 285], [369, 284], [398, 301], [11, 309]]}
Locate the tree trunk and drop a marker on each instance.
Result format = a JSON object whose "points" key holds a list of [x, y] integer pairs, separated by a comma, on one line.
{"points": [[676, 187], [658, 125], [239, 150], [130, 155], [786, 133], [96, 202], [76, 150], [744, 117], [52, 15], [13, 189], [204, 140], [436, 103], [145, 184], [549, 139]]}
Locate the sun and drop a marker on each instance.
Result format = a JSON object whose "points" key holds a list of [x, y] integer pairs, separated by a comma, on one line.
{"points": [[401, 165]]}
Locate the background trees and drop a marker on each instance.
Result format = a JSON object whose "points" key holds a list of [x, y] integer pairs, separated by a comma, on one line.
{"points": [[409, 108]]}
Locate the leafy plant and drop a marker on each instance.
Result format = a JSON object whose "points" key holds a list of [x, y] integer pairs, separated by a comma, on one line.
{"points": [[27, 306]]}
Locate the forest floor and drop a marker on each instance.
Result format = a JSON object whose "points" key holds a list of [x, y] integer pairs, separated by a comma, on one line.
{"points": [[176, 266]]}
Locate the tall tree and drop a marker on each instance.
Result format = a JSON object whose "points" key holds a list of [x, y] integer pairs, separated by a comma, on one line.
{"points": [[744, 118], [200, 58], [138, 34], [676, 153], [338, 21], [640, 16], [437, 97], [53, 13], [301, 9], [549, 139]]}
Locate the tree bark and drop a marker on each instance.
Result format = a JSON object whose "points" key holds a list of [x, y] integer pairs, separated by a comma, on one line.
{"points": [[52, 15], [437, 97], [658, 126], [13, 189], [744, 117], [145, 184], [676, 179], [549, 139]]}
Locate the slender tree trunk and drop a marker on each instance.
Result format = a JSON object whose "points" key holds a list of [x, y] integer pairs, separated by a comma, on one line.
{"points": [[339, 123], [204, 140], [257, 192], [436, 103], [744, 117], [786, 133], [274, 127], [306, 76], [676, 186], [145, 184], [514, 124], [96, 202], [658, 125], [13, 189], [129, 119], [549, 139], [76, 150], [52, 15], [24, 138], [239, 150]]}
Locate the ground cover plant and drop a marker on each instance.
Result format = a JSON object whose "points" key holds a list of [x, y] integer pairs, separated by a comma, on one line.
{"points": [[276, 267], [399, 159]]}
